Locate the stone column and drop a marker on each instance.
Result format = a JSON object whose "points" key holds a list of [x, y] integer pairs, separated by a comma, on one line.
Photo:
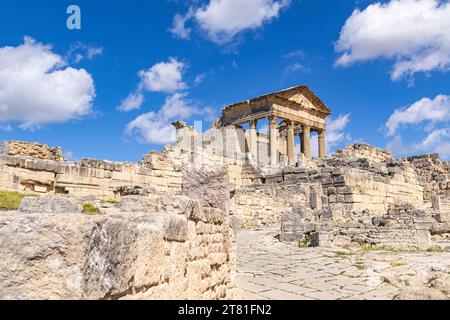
{"points": [[302, 143], [290, 143], [322, 148], [307, 141], [273, 137], [253, 141]]}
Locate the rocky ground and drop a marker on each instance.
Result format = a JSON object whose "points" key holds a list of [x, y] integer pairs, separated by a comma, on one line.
{"points": [[269, 269]]}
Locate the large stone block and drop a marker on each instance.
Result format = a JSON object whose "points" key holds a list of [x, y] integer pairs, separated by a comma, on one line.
{"points": [[209, 185], [50, 204]]}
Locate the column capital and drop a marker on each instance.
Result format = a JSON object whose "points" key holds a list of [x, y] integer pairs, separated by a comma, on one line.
{"points": [[321, 132], [253, 123], [272, 119], [290, 123], [306, 128]]}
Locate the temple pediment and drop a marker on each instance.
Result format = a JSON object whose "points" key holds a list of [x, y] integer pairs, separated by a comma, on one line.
{"points": [[302, 100], [305, 97], [298, 103]]}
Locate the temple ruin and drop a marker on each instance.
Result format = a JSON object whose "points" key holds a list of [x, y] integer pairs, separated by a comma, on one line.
{"points": [[193, 196], [292, 112]]}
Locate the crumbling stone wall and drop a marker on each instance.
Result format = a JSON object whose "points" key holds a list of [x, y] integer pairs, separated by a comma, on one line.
{"points": [[374, 202], [361, 189], [362, 150], [401, 227], [339, 184], [90, 177], [433, 174], [172, 248], [32, 150], [358, 179]]}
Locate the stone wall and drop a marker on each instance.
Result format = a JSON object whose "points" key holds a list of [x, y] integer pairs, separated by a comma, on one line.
{"points": [[89, 177], [375, 191], [363, 150], [32, 150], [441, 205], [357, 179], [265, 204], [351, 185], [169, 248], [433, 174], [401, 227]]}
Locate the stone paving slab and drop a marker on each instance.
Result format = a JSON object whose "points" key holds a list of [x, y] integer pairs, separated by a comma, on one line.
{"points": [[268, 269]]}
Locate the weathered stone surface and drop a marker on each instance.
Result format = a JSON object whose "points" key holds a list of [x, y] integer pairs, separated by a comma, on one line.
{"points": [[55, 254], [137, 204], [175, 228], [208, 184], [50, 204], [268, 269]]}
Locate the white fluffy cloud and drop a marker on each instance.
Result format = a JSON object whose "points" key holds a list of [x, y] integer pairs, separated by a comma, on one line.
{"points": [[222, 20], [335, 135], [132, 102], [164, 77], [436, 141], [155, 127], [434, 114], [425, 110], [414, 33], [336, 130], [37, 87], [179, 29]]}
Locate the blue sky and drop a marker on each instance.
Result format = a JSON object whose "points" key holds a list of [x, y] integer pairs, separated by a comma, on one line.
{"points": [[382, 70]]}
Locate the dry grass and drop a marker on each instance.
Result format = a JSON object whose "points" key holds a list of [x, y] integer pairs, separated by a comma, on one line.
{"points": [[11, 200]]}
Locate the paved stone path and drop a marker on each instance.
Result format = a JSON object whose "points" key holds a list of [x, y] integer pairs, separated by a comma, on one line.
{"points": [[268, 269]]}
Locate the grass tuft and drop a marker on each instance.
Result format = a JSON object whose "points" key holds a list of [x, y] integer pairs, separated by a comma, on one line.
{"points": [[89, 208], [305, 243]]}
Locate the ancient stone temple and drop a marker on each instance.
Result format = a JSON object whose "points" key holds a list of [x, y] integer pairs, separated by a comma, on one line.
{"points": [[291, 112]]}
